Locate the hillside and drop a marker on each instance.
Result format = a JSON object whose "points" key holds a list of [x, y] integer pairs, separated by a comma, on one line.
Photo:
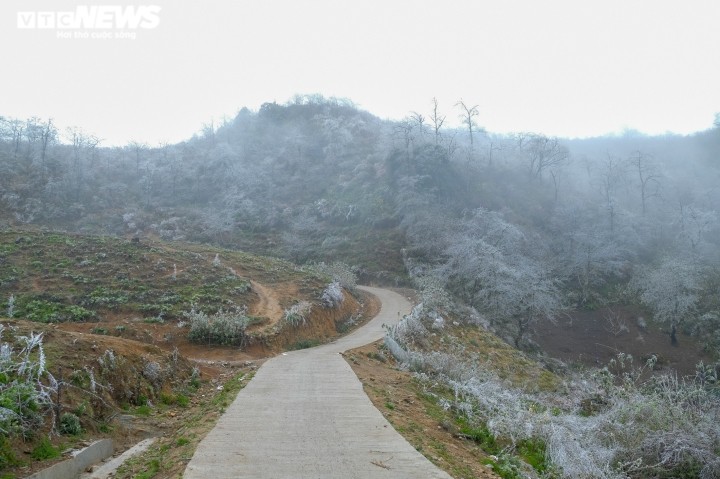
{"points": [[107, 327], [579, 253]]}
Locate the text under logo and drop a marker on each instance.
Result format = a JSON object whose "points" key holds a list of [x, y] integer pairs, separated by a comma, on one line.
{"points": [[93, 17]]}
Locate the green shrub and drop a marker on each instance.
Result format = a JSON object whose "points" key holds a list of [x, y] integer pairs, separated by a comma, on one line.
{"points": [[70, 424], [45, 450], [533, 452], [7, 455], [152, 469], [143, 410], [106, 297], [305, 344], [506, 466], [482, 436], [43, 311]]}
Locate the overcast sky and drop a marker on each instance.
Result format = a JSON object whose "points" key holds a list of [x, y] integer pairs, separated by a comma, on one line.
{"points": [[566, 68]]}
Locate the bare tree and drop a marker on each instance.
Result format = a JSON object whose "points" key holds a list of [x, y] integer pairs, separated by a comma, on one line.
{"points": [[647, 175], [611, 174], [47, 136], [139, 150], [543, 153], [468, 115], [404, 130], [16, 128], [419, 120], [437, 121], [493, 147], [82, 148]]}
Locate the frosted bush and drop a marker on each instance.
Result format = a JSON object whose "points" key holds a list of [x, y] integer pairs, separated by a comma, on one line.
{"points": [[223, 327], [433, 294], [638, 428], [338, 272], [26, 388], [410, 329], [572, 443], [396, 350], [298, 313], [332, 296], [107, 360], [152, 372]]}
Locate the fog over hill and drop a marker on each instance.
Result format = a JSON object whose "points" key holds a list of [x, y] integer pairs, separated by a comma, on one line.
{"points": [[503, 221]]}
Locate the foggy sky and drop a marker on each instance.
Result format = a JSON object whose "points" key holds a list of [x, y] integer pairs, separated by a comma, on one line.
{"points": [[557, 67]]}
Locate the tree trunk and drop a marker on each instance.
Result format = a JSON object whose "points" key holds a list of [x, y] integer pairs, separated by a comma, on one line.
{"points": [[673, 335]]}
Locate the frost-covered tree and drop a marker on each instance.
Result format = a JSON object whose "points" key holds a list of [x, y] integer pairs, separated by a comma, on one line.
{"points": [[542, 153], [670, 290], [467, 116], [489, 265]]}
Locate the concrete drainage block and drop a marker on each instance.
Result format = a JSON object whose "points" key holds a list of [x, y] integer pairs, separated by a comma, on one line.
{"points": [[71, 468]]}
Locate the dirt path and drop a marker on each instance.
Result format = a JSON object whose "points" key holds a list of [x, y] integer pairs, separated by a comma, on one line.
{"points": [[268, 305], [305, 415]]}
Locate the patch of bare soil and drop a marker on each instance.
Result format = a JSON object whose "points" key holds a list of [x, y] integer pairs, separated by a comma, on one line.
{"points": [[593, 338], [267, 305], [415, 415]]}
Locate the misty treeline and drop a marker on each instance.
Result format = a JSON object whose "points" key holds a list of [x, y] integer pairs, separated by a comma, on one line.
{"points": [[521, 227]]}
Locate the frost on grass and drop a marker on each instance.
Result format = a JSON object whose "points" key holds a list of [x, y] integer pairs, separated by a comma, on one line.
{"points": [[297, 314], [609, 424], [223, 327]]}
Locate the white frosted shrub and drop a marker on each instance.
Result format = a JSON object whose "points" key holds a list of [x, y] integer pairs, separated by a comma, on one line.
{"points": [[298, 313], [332, 296], [27, 387], [223, 327], [338, 272]]}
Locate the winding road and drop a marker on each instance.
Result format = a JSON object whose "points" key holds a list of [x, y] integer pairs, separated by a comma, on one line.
{"points": [[305, 415]]}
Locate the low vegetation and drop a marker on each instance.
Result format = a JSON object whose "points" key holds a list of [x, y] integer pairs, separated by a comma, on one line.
{"points": [[56, 277], [622, 421], [75, 362], [224, 327]]}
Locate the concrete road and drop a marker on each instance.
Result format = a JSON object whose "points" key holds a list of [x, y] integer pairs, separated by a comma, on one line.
{"points": [[305, 415]]}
